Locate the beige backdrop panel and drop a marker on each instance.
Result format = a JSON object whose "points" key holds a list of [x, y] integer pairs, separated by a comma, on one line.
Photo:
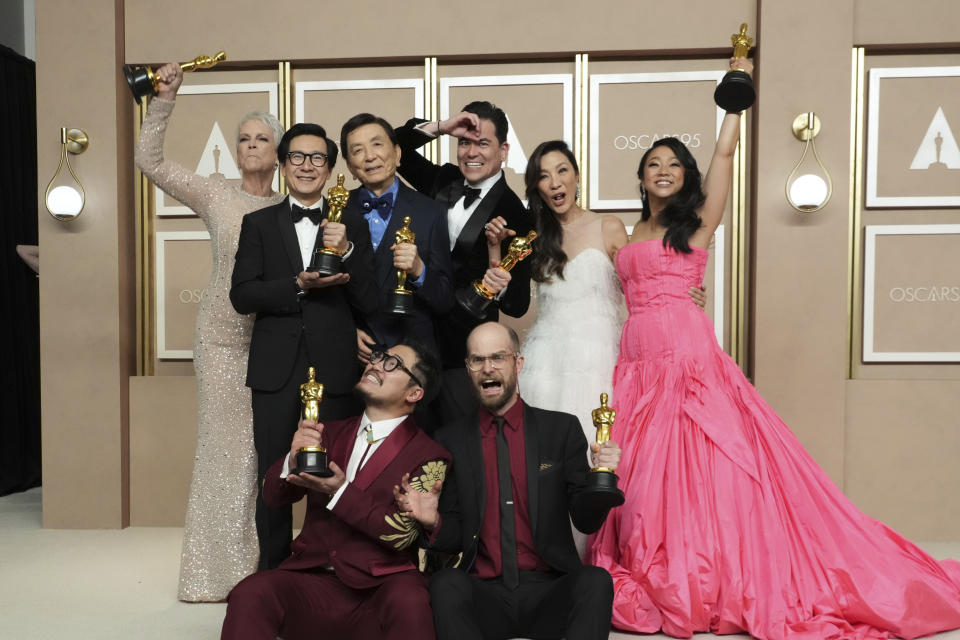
{"points": [[331, 106], [885, 216], [202, 133], [292, 30], [917, 293], [901, 462], [181, 285], [536, 112], [913, 112], [163, 439]]}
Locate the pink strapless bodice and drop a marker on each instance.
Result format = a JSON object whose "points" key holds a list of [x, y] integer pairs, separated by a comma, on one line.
{"points": [[656, 282]]}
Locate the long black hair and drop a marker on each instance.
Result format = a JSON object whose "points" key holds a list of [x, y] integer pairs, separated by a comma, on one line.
{"points": [[548, 256], [679, 216]]}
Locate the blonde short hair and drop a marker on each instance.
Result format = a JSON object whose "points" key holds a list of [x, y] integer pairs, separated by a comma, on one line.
{"points": [[266, 118]]}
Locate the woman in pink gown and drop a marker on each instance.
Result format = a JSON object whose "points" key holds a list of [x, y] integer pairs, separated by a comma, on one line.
{"points": [[729, 525]]}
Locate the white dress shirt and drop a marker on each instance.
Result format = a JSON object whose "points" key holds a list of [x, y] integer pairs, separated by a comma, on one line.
{"points": [[378, 432], [306, 231], [458, 215]]}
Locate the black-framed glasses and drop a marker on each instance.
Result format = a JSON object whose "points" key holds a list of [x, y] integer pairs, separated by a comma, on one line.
{"points": [[391, 362], [497, 360], [317, 159]]}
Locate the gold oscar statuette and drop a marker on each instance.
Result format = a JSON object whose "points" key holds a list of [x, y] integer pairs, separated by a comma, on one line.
{"points": [[312, 460], [401, 300], [601, 491], [326, 260], [143, 80], [603, 417], [476, 298], [736, 91]]}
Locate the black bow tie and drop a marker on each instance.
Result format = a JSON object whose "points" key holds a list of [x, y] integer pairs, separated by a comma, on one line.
{"points": [[298, 213], [468, 193], [382, 204]]}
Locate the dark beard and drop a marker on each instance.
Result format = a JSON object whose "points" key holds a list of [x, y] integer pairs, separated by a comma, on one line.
{"points": [[507, 392]]}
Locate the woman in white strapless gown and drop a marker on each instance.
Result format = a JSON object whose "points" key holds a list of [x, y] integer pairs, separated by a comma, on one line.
{"points": [[572, 347]]}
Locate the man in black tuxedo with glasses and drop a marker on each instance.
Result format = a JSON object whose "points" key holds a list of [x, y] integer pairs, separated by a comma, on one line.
{"points": [[302, 319]]}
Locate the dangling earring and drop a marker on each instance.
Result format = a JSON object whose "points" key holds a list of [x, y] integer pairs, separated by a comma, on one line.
{"points": [[643, 193], [578, 192]]}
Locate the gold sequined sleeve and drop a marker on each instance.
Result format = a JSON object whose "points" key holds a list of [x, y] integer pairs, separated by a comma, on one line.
{"points": [[174, 179]]}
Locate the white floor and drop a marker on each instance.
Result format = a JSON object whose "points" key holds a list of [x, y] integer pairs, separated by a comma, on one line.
{"points": [[113, 585]]}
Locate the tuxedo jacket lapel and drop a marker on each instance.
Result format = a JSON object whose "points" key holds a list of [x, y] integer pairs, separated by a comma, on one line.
{"points": [[343, 446], [385, 454], [531, 441], [288, 234], [474, 226]]}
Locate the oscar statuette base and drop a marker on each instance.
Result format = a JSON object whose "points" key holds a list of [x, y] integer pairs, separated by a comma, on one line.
{"points": [[601, 491], [313, 460], [401, 304], [735, 92], [141, 84], [326, 264], [473, 303]]}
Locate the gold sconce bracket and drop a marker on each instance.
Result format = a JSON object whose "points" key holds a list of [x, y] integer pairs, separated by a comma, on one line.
{"points": [[77, 141], [801, 127]]}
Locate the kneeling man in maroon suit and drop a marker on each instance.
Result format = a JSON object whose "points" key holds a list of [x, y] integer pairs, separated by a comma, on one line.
{"points": [[352, 571]]}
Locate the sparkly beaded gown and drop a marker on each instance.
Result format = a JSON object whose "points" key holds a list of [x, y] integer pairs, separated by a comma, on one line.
{"points": [[729, 525], [219, 538]]}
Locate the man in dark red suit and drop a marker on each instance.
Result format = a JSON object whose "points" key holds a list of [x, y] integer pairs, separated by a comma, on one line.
{"points": [[352, 571]]}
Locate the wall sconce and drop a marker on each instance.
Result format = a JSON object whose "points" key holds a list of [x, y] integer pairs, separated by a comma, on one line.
{"points": [[65, 196], [808, 189]]}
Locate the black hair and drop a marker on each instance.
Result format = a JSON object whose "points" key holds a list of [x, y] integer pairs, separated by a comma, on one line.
{"points": [[306, 129], [679, 216], [489, 111], [360, 120], [548, 256], [427, 368]]}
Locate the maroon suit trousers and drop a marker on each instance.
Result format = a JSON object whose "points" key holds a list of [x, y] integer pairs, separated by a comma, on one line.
{"points": [[316, 605]]}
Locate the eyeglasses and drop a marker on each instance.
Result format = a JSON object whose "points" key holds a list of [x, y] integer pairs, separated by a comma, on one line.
{"points": [[317, 159], [391, 362], [497, 360]]}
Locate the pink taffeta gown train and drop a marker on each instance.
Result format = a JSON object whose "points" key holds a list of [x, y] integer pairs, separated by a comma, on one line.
{"points": [[729, 525]]}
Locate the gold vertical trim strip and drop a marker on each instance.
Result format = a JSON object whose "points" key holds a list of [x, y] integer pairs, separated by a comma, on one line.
{"points": [[740, 225], [854, 276], [428, 104], [737, 314], [581, 130], [432, 108], [284, 88], [145, 360]]}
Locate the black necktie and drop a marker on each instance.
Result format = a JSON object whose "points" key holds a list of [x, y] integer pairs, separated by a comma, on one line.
{"points": [[298, 213], [468, 193], [508, 530], [382, 204]]}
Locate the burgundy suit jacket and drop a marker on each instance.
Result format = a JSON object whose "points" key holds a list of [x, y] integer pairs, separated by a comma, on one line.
{"points": [[363, 537]]}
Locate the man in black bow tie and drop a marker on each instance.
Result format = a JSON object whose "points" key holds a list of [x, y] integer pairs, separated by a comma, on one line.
{"points": [[476, 196], [303, 320], [372, 155]]}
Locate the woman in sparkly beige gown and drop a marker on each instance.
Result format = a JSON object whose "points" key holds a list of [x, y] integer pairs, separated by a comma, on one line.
{"points": [[219, 537]]}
